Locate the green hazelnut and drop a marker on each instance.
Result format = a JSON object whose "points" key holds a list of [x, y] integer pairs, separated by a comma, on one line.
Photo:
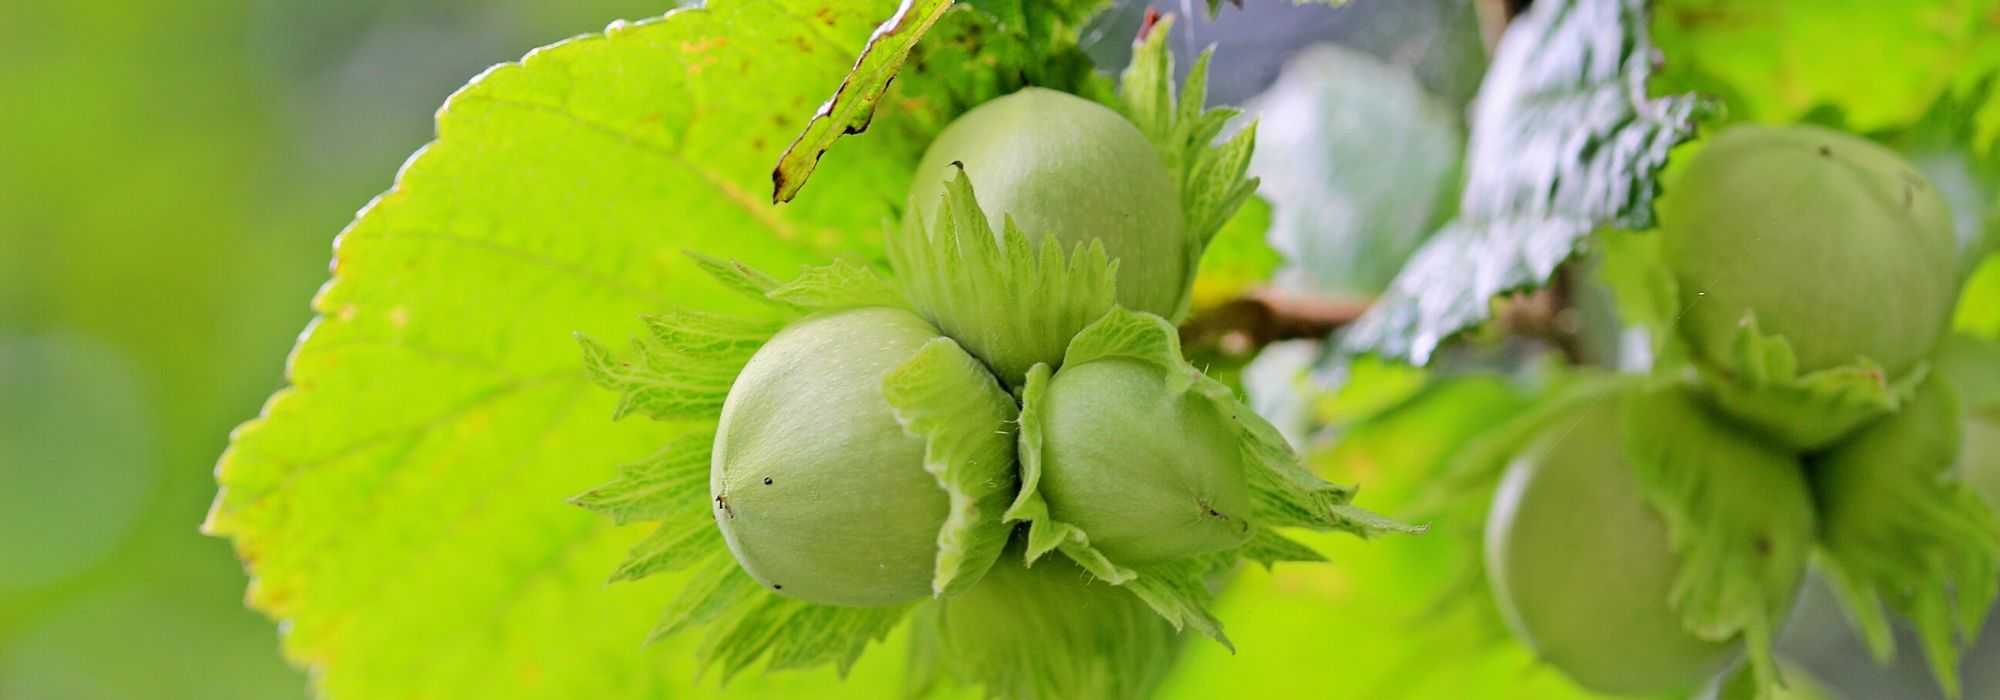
{"points": [[1581, 564], [1830, 241], [1063, 166], [1148, 472], [820, 493]]}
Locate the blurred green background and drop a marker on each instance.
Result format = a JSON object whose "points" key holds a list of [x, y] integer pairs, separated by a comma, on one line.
{"points": [[171, 179], [172, 175]]}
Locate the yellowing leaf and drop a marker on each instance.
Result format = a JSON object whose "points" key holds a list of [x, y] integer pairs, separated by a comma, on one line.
{"points": [[402, 504]]}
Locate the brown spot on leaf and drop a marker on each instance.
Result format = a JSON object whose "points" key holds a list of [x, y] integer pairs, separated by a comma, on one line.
{"points": [[704, 45]]}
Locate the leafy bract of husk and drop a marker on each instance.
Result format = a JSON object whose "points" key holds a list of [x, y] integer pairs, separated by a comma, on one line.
{"points": [[1738, 512], [1905, 530], [682, 372], [1213, 177], [1284, 494], [1011, 302], [948, 398], [1047, 631], [1802, 410], [1564, 140]]}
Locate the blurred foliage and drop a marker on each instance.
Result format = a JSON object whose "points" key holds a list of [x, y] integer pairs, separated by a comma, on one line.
{"points": [[1563, 140], [1879, 64], [1239, 258], [1360, 164]]}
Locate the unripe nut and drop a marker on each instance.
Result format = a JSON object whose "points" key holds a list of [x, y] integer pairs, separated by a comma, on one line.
{"points": [[1832, 242], [819, 492], [1148, 473], [1063, 166], [1581, 565]]}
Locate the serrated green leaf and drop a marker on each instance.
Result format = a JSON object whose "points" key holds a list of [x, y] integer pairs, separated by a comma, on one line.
{"points": [[1011, 302], [1212, 177], [944, 396], [1360, 165], [852, 105], [1564, 141], [1739, 516], [1902, 528], [400, 505]]}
